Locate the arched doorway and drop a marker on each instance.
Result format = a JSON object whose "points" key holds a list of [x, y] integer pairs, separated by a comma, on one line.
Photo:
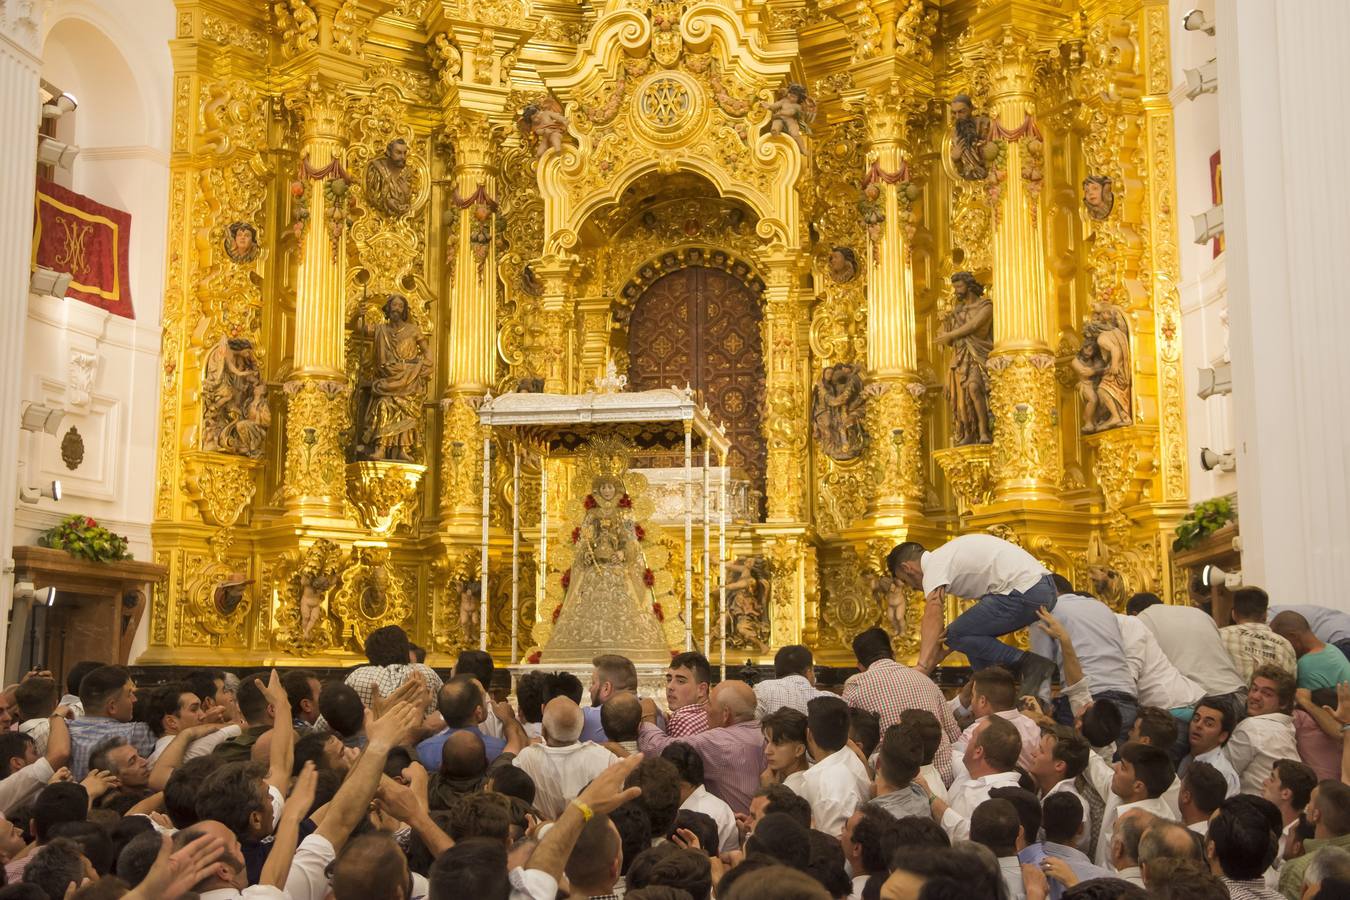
{"points": [[701, 326]]}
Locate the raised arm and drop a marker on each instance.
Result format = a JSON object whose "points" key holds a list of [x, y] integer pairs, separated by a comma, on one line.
{"points": [[281, 756], [353, 798], [287, 834], [172, 757], [930, 630], [516, 738], [58, 739]]}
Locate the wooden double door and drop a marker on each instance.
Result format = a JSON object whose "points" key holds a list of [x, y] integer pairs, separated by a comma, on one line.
{"points": [[702, 327]]}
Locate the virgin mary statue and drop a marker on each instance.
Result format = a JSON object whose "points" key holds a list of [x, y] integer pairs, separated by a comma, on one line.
{"points": [[607, 607]]}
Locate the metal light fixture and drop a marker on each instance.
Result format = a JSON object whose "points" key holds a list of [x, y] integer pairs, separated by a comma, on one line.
{"points": [[49, 282], [38, 417], [1210, 460]]}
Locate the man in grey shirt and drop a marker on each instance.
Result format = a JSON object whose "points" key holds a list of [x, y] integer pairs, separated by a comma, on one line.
{"points": [[898, 762]]}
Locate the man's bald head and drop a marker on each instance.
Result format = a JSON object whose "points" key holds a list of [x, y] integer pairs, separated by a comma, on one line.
{"points": [[620, 716], [463, 755], [371, 867], [562, 722], [1294, 628], [731, 703]]}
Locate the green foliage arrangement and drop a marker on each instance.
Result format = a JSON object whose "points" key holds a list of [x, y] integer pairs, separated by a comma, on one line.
{"points": [[1205, 518], [83, 538]]}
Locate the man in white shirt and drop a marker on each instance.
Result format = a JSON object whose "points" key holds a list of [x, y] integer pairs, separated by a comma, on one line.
{"points": [[793, 683], [1157, 681], [1267, 734], [1142, 775], [1202, 790], [1098, 646], [695, 797], [24, 771], [1191, 640], [1059, 757], [990, 760], [1211, 726], [1009, 585], [1289, 786], [838, 782], [174, 709], [562, 765]]}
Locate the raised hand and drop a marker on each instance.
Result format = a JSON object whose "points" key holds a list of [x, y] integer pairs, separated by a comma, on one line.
{"points": [[389, 729], [276, 695], [174, 874], [99, 782], [1052, 626], [606, 790]]}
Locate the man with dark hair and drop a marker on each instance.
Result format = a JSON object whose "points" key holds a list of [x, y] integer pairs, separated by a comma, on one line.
{"points": [[174, 710], [1267, 734], [259, 717], [897, 766], [930, 733], [115, 756], [1320, 665], [1212, 724], [635, 833], [1028, 807], [888, 688], [462, 705], [23, 771], [1010, 587], [671, 866], [109, 698], [1250, 641], [995, 825], [1140, 602], [388, 651], [36, 699], [1203, 789], [55, 805], [1098, 647], [93, 840], [777, 798], [57, 866], [864, 730], [990, 760], [660, 797], [371, 867], [993, 692], [302, 687], [180, 793], [793, 683], [530, 700], [695, 797], [74, 676], [1063, 819], [343, 713], [1142, 775], [959, 871], [479, 664], [563, 684], [214, 691], [782, 837], [1330, 625], [1329, 813], [839, 781], [597, 859], [611, 675], [869, 839], [620, 719], [1061, 756], [473, 868], [480, 816], [1241, 846], [1289, 786], [688, 682]]}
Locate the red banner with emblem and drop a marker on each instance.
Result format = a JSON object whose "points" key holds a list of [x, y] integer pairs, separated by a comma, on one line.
{"points": [[74, 234]]}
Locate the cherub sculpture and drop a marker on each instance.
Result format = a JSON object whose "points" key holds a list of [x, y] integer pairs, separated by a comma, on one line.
{"points": [[793, 114], [312, 591], [891, 592], [470, 618], [545, 123]]}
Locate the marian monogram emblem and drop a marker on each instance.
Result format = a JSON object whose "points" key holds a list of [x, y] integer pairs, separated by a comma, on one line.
{"points": [[666, 102]]}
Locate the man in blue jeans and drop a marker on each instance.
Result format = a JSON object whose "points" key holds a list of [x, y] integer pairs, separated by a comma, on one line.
{"points": [[1010, 586]]}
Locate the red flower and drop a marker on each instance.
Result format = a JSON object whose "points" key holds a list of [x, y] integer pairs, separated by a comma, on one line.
{"points": [[557, 611], [660, 613], [566, 579], [589, 502], [576, 534], [625, 502], [640, 532], [648, 578], [533, 658], [89, 523], [674, 653]]}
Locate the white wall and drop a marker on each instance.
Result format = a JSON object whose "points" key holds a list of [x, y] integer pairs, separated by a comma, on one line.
{"points": [[1283, 72], [103, 370], [1203, 287]]}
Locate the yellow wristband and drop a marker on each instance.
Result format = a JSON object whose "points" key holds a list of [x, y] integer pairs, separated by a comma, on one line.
{"points": [[586, 811]]}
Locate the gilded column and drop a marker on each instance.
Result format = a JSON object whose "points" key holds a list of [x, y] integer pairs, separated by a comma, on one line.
{"points": [[1026, 461], [891, 353], [785, 406], [470, 344], [317, 394]]}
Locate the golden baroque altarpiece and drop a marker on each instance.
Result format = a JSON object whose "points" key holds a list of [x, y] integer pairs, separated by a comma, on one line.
{"points": [[520, 172]]}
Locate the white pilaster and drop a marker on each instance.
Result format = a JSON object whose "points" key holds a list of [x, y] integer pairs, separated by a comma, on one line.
{"points": [[1282, 77], [20, 113]]}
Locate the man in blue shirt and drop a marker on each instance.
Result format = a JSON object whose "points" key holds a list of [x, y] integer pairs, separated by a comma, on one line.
{"points": [[1097, 641], [1062, 822], [460, 702]]}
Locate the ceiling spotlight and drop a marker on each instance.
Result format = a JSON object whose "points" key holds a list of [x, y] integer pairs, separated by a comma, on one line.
{"points": [[1224, 462], [49, 282], [1202, 79], [1208, 225], [37, 417], [33, 494], [52, 152], [1195, 20], [1218, 380]]}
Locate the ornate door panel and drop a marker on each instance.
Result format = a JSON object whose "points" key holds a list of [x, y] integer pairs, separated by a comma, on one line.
{"points": [[701, 327]]}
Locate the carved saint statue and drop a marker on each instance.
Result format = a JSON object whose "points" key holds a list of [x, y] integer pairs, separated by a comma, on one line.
{"points": [[1098, 198], [972, 150], [608, 604], [843, 265], [748, 586], [470, 612], [388, 187], [546, 123], [235, 414], [891, 593], [392, 428], [313, 588], [793, 114], [837, 413], [1103, 369], [969, 329], [241, 242]]}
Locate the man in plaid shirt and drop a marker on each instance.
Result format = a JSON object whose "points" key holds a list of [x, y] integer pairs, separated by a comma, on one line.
{"points": [[888, 688], [389, 652], [687, 683]]}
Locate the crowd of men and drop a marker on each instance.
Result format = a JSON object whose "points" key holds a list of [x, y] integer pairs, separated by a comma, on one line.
{"points": [[1189, 751]]}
